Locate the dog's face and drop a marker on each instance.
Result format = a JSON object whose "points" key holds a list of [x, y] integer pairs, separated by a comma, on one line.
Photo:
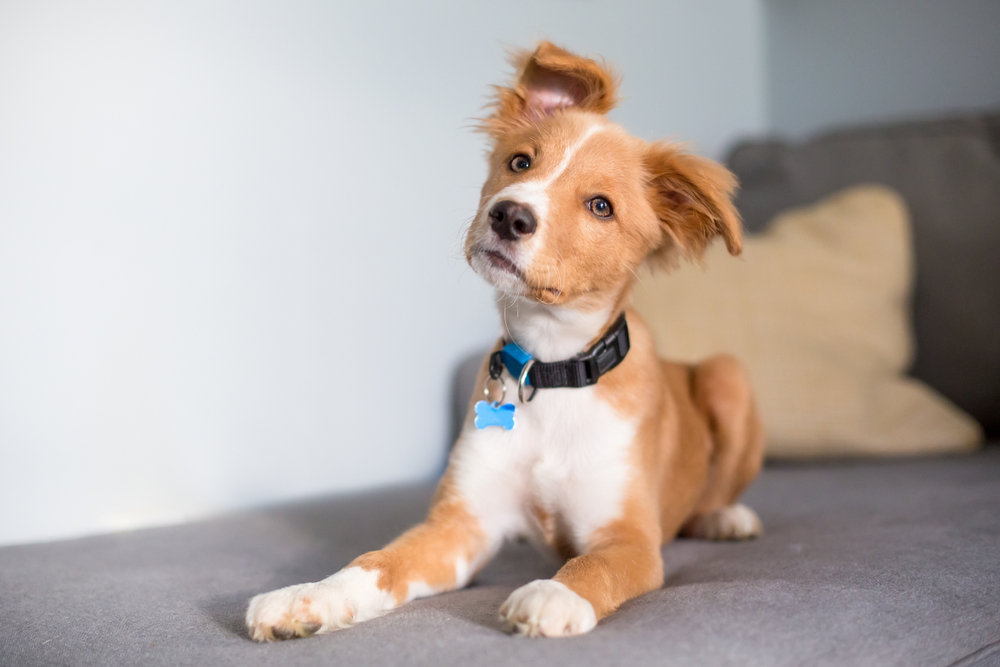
{"points": [[573, 204]]}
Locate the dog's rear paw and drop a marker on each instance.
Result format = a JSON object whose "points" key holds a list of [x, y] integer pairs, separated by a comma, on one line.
{"points": [[546, 608], [346, 598], [736, 522]]}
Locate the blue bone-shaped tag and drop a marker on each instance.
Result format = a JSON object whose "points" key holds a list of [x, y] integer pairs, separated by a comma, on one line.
{"points": [[494, 414]]}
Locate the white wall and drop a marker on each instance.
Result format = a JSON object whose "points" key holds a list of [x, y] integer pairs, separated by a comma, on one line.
{"points": [[230, 264], [857, 61]]}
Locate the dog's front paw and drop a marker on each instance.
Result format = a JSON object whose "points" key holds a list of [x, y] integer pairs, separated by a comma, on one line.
{"points": [[546, 608], [348, 597]]}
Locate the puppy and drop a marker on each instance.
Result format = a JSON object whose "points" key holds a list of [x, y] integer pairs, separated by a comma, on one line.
{"points": [[585, 441]]}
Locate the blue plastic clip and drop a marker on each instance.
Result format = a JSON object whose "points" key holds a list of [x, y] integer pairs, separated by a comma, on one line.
{"points": [[514, 358]]}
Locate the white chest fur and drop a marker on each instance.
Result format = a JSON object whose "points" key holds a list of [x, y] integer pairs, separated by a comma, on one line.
{"points": [[567, 456]]}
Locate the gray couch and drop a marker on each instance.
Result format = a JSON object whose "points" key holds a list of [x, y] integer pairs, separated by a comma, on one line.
{"points": [[862, 562]]}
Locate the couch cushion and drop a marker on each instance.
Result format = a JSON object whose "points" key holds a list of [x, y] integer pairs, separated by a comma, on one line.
{"points": [[949, 174], [873, 564], [817, 308]]}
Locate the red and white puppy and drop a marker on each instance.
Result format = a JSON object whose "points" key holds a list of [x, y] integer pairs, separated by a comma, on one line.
{"points": [[602, 475]]}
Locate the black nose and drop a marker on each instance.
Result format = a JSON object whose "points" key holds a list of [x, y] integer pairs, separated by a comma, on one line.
{"points": [[511, 220]]}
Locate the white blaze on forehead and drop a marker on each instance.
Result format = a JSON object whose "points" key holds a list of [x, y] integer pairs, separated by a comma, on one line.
{"points": [[570, 152]]}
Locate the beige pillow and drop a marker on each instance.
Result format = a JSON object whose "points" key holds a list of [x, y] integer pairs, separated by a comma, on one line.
{"points": [[817, 309]]}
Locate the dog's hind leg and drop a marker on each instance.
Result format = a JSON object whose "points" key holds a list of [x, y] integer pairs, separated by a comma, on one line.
{"points": [[441, 554], [721, 392]]}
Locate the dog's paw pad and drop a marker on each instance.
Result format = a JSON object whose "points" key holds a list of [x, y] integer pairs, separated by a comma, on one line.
{"points": [[547, 608], [736, 522]]}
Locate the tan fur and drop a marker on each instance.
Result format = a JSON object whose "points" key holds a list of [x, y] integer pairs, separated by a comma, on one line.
{"points": [[427, 553], [591, 86], [691, 196], [698, 438], [684, 469], [700, 442]]}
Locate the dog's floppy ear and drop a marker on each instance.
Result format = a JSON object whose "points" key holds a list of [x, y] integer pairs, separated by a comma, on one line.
{"points": [[550, 79], [692, 197]]}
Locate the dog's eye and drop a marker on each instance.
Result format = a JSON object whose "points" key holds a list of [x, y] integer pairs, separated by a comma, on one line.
{"points": [[520, 162], [600, 207]]}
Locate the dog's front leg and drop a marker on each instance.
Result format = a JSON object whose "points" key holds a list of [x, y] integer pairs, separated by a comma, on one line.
{"points": [[438, 555], [622, 565]]}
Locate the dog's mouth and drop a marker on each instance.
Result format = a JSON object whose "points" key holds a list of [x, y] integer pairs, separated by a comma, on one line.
{"points": [[506, 269], [499, 261], [498, 269], [496, 263]]}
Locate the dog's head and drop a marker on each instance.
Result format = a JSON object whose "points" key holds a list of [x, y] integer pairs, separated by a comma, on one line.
{"points": [[573, 204]]}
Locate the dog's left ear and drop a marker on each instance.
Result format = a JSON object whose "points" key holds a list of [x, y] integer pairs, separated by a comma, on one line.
{"points": [[550, 79], [692, 197]]}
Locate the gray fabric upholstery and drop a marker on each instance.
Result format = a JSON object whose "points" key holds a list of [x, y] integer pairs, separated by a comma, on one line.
{"points": [[861, 564], [891, 563], [949, 173]]}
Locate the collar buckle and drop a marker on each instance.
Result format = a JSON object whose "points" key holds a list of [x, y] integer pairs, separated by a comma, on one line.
{"points": [[591, 371]]}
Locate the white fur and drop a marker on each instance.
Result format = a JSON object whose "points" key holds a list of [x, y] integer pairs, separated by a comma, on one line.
{"points": [[736, 522], [463, 572], [348, 597], [546, 608], [568, 453], [550, 333], [419, 589], [571, 151]]}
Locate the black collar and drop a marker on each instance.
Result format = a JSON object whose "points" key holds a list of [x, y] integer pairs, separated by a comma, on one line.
{"points": [[582, 370]]}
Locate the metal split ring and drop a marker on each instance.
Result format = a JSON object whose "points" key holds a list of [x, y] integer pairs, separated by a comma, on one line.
{"points": [[503, 386], [523, 379]]}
